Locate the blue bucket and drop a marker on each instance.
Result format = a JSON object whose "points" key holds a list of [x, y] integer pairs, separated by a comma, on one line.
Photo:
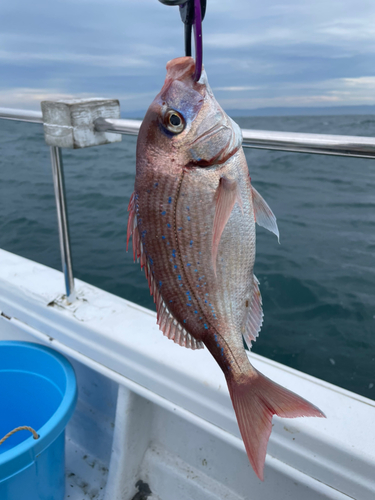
{"points": [[37, 389]]}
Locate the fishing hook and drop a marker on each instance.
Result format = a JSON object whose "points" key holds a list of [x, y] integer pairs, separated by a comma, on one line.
{"points": [[192, 13]]}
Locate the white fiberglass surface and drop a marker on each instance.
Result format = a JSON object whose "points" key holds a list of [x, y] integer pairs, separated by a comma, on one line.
{"points": [[122, 340]]}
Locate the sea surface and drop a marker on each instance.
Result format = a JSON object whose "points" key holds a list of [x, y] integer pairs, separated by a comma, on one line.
{"points": [[318, 285]]}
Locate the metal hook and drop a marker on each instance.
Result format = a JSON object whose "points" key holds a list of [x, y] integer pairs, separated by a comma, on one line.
{"points": [[192, 13]]}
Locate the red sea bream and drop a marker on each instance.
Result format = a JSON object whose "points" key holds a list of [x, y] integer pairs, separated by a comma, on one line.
{"points": [[192, 219]]}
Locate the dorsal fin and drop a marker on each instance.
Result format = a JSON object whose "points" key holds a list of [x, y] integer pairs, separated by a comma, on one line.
{"points": [[168, 324], [263, 214], [254, 317], [227, 194]]}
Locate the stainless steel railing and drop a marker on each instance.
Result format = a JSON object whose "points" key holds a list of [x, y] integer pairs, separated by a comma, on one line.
{"points": [[58, 184], [62, 220], [338, 145]]}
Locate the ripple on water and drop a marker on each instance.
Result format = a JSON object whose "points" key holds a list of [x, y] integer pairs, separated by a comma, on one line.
{"points": [[318, 285]]}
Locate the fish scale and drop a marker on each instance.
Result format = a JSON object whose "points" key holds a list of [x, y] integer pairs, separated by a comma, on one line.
{"points": [[221, 298]]}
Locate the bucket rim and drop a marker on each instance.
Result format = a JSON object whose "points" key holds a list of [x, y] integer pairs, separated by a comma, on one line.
{"points": [[24, 454]]}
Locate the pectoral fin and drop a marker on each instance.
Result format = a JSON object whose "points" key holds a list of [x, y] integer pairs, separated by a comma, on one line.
{"points": [[227, 194], [263, 214]]}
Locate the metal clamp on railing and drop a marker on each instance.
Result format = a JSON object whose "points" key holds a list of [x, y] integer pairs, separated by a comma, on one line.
{"points": [[70, 124]]}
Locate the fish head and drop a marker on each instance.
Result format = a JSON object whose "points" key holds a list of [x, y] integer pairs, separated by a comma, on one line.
{"points": [[186, 122]]}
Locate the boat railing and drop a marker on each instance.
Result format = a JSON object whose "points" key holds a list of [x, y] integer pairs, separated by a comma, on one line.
{"points": [[337, 145]]}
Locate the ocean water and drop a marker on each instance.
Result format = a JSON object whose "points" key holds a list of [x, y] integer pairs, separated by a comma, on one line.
{"points": [[318, 285]]}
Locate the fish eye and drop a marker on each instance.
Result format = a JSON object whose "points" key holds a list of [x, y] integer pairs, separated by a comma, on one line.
{"points": [[174, 121]]}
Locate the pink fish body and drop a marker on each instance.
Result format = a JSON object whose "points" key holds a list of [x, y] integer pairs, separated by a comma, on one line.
{"points": [[192, 219]]}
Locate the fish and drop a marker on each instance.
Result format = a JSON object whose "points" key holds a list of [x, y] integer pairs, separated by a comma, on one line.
{"points": [[192, 219]]}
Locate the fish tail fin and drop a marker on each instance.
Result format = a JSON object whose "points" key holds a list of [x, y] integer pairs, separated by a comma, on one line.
{"points": [[255, 400]]}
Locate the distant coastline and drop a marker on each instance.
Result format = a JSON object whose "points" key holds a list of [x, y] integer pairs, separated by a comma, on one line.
{"points": [[285, 111]]}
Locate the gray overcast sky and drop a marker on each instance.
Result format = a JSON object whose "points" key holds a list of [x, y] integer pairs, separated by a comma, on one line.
{"points": [[257, 54]]}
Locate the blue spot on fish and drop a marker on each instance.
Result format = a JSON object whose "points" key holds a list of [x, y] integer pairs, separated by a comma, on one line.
{"points": [[175, 266], [169, 200], [163, 213], [163, 237], [188, 218], [188, 264], [206, 327], [179, 277], [191, 243], [156, 184], [188, 304], [160, 283], [168, 225]]}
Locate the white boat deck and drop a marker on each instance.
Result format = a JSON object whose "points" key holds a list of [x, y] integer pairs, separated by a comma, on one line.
{"points": [[152, 411]]}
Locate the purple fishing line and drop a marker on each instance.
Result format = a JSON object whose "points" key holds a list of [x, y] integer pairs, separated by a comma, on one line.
{"points": [[198, 39]]}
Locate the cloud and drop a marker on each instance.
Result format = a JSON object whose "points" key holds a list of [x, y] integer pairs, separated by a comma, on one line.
{"points": [[30, 98], [236, 40], [347, 91], [256, 54], [361, 82], [234, 89], [103, 61]]}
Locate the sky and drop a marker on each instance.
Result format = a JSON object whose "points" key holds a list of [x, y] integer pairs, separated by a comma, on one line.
{"points": [[257, 54]]}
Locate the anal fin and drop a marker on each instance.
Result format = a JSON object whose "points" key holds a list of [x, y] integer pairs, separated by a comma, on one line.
{"points": [[254, 317]]}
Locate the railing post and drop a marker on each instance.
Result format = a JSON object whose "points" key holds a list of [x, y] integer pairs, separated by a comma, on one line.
{"points": [[70, 124], [62, 219]]}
